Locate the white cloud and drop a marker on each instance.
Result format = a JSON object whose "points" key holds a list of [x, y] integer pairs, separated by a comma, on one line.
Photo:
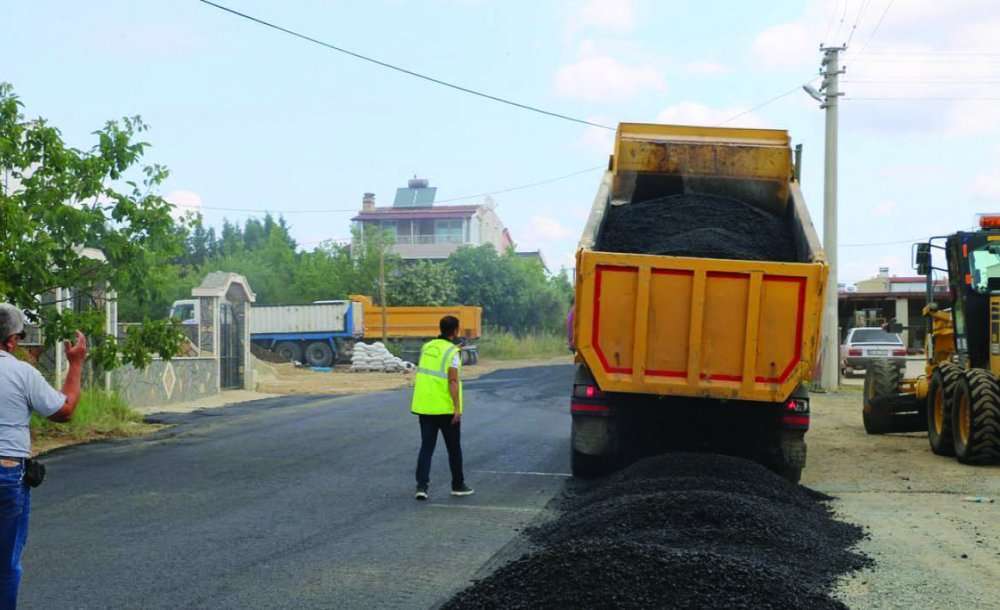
{"points": [[987, 186], [706, 68], [605, 79], [885, 208], [695, 113], [786, 45], [617, 15], [183, 202], [546, 228]]}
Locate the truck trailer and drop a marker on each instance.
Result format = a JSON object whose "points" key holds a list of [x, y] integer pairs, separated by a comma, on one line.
{"points": [[324, 332], [699, 289]]}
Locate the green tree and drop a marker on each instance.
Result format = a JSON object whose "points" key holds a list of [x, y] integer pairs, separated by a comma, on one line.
{"points": [[55, 201], [423, 283]]}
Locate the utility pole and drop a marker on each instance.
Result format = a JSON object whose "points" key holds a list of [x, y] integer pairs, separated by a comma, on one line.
{"points": [[381, 288], [831, 71]]}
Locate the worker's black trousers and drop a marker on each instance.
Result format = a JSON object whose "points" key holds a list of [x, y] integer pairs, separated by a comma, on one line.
{"points": [[429, 427]]}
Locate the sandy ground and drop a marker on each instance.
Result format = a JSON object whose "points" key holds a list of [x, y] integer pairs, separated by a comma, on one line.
{"points": [[286, 379], [914, 368], [933, 547]]}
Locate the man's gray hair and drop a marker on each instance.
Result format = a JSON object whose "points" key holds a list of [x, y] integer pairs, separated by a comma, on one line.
{"points": [[11, 321]]}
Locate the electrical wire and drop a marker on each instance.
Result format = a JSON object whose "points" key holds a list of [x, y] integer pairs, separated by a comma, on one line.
{"points": [[924, 99], [765, 103], [877, 26], [406, 71], [355, 210], [884, 243], [857, 20], [833, 18]]}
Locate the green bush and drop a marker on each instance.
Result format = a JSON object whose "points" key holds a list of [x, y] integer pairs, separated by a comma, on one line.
{"points": [[99, 413], [502, 345]]}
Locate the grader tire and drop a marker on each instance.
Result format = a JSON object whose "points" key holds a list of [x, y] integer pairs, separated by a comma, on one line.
{"points": [[881, 380], [976, 418], [940, 398]]}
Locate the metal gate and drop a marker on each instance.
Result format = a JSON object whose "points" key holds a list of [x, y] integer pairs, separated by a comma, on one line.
{"points": [[229, 348]]}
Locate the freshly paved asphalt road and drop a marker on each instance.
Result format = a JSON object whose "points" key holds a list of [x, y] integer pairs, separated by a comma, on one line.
{"points": [[303, 502]]}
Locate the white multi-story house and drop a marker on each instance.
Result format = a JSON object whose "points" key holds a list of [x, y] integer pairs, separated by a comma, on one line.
{"points": [[424, 231]]}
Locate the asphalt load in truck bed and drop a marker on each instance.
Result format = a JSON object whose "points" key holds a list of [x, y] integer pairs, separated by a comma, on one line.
{"points": [[695, 224], [679, 531]]}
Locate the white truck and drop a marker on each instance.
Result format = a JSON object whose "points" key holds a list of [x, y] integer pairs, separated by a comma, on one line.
{"points": [[317, 334]]}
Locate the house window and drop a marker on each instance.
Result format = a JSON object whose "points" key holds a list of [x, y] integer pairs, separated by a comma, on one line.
{"points": [[448, 231]]}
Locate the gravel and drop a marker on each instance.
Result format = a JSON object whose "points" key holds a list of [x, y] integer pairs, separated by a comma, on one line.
{"points": [[607, 574], [683, 531], [697, 225]]}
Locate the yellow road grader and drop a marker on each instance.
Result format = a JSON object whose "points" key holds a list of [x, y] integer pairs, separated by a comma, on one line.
{"points": [[957, 399]]}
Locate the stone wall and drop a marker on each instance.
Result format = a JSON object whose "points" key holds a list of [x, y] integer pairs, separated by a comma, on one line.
{"points": [[163, 382]]}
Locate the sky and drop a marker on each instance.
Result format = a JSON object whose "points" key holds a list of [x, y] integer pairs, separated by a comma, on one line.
{"points": [[249, 118]]}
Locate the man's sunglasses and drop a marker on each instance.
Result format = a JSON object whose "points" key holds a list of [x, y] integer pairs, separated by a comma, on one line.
{"points": [[21, 335]]}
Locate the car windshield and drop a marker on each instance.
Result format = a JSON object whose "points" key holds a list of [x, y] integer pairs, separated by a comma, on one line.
{"points": [[984, 264], [874, 335]]}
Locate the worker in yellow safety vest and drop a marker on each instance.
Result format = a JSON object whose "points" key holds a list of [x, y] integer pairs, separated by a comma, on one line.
{"points": [[437, 400]]}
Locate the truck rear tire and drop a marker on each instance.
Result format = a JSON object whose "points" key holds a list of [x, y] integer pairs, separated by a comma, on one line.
{"points": [[585, 466], [319, 353], [881, 380], [289, 350], [976, 418], [940, 398], [793, 457]]}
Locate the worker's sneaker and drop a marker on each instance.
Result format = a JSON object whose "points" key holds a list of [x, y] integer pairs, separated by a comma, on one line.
{"points": [[463, 490], [421, 493]]}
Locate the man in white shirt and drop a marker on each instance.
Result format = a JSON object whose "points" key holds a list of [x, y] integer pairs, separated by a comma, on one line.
{"points": [[23, 390]]}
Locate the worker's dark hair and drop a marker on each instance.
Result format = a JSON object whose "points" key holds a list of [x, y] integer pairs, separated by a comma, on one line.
{"points": [[448, 325]]}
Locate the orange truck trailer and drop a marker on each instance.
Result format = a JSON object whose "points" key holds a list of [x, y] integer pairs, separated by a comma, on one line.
{"points": [[414, 325], [693, 352]]}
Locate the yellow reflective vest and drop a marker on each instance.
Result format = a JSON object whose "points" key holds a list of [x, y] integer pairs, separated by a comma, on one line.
{"points": [[430, 391]]}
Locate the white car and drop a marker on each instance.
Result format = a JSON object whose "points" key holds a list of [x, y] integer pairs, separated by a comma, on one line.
{"points": [[866, 344]]}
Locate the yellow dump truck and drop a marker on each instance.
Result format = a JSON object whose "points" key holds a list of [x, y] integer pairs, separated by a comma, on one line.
{"points": [[683, 341], [413, 325]]}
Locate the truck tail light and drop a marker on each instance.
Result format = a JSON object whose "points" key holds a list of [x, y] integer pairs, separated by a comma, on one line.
{"points": [[854, 352], [795, 415], [587, 391], [588, 400], [899, 352], [589, 409]]}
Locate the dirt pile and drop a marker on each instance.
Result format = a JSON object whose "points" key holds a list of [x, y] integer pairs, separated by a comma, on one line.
{"points": [[697, 225], [681, 531]]}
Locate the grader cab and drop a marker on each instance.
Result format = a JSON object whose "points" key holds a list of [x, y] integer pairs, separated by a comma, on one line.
{"points": [[957, 399]]}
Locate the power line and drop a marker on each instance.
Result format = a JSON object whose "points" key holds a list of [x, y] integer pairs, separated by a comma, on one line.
{"points": [[524, 186], [857, 20], [764, 103], [922, 82], [924, 99], [877, 26], [406, 71], [833, 18], [843, 16], [885, 243], [355, 210]]}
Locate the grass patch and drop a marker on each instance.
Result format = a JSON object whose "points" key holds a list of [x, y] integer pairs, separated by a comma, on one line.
{"points": [[98, 415], [501, 345]]}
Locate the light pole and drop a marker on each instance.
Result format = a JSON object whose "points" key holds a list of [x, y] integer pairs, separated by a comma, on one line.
{"points": [[831, 71]]}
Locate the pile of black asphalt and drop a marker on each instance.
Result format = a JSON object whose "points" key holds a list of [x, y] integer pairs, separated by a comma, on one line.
{"points": [[698, 225], [681, 531]]}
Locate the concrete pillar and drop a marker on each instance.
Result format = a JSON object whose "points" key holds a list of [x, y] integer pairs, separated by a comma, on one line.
{"points": [[903, 317]]}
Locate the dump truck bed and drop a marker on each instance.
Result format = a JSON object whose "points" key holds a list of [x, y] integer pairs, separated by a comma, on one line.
{"points": [[691, 326], [418, 322]]}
